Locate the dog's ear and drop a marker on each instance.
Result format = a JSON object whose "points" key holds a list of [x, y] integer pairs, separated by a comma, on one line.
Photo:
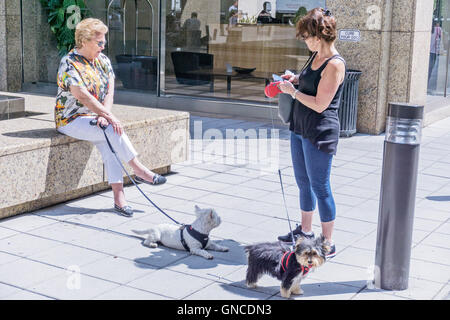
{"points": [[198, 211]]}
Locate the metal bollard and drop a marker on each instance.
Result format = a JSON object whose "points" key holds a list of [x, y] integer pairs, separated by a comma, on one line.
{"points": [[398, 195]]}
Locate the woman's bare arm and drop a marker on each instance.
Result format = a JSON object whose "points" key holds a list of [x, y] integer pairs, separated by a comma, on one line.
{"points": [[90, 102], [110, 96]]}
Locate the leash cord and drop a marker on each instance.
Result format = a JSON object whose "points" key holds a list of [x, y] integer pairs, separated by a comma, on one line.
{"points": [[94, 122], [282, 189]]}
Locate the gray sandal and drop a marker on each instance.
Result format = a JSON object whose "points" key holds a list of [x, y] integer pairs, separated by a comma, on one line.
{"points": [[126, 211], [157, 179]]}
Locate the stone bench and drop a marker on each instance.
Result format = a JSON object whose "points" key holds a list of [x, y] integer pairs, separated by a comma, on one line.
{"points": [[41, 167]]}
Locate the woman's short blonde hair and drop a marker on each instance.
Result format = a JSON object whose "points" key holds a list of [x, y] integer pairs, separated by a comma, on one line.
{"points": [[87, 29]]}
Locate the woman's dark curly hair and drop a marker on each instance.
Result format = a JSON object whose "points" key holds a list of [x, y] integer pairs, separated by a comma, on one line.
{"points": [[319, 23]]}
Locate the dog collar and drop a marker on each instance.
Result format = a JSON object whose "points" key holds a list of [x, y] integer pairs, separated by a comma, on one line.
{"points": [[200, 237], [285, 262]]}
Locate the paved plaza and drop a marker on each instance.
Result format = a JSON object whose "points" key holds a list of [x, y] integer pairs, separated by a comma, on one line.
{"points": [[82, 249]]}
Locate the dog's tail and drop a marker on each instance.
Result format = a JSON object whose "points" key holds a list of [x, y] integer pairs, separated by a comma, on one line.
{"points": [[248, 249], [141, 231]]}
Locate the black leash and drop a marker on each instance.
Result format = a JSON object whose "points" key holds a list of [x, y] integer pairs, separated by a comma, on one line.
{"points": [[282, 191], [94, 123], [285, 206]]}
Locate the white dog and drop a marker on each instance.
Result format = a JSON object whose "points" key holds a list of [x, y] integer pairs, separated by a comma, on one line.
{"points": [[193, 238]]}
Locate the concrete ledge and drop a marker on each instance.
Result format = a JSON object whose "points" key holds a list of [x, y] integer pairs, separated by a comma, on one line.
{"points": [[41, 167], [11, 106], [436, 115]]}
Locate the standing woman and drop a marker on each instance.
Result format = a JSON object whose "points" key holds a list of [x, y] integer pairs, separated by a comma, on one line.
{"points": [[85, 92], [314, 124]]}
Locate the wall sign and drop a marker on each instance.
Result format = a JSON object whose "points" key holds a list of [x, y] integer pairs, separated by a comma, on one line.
{"points": [[351, 35]]}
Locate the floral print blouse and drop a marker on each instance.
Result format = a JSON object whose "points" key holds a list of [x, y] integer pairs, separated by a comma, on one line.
{"points": [[76, 70]]}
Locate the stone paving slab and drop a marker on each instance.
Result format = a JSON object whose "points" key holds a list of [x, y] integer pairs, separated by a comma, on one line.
{"points": [[82, 249]]}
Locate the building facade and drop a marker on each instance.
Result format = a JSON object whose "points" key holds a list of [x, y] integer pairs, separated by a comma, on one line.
{"points": [[217, 56]]}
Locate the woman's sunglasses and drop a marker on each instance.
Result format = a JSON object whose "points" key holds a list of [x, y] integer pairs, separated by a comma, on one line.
{"points": [[101, 43]]}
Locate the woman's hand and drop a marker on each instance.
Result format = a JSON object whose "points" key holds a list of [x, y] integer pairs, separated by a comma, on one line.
{"points": [[291, 78], [102, 122], [116, 125], [286, 87]]}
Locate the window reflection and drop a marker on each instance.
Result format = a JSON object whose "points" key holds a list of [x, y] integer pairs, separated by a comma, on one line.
{"points": [[438, 75], [230, 49]]}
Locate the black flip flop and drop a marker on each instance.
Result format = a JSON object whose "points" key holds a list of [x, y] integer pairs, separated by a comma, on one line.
{"points": [[157, 179]]}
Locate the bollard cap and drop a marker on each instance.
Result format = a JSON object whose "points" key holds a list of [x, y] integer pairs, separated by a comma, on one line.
{"points": [[405, 110]]}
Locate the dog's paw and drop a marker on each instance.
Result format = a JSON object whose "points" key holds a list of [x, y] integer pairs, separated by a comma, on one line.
{"points": [[285, 293], [251, 285], [150, 244], [297, 291], [210, 257]]}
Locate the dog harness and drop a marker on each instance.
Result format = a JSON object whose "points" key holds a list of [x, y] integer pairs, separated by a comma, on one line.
{"points": [[285, 263], [200, 237]]}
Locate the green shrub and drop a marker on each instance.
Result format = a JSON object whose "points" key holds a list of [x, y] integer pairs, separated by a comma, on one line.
{"points": [[301, 12], [63, 16]]}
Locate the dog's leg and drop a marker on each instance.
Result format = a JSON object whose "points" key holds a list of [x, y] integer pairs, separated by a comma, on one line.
{"points": [[286, 286], [295, 289], [285, 292], [154, 235], [216, 247], [251, 278], [252, 275], [202, 253]]}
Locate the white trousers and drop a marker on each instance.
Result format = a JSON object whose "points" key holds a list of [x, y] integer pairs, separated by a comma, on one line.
{"points": [[81, 129]]}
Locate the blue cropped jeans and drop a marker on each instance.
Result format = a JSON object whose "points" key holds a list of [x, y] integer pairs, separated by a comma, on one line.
{"points": [[312, 169]]}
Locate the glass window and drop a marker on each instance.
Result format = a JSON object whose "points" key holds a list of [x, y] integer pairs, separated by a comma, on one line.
{"points": [[438, 74], [132, 44], [230, 49]]}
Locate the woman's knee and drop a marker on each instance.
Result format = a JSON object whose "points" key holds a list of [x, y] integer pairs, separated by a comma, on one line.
{"points": [[322, 190], [303, 182]]}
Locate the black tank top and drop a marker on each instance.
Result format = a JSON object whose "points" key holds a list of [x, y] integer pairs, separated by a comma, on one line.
{"points": [[322, 129]]}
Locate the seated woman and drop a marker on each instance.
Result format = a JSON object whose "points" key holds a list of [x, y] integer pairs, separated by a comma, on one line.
{"points": [[85, 92]]}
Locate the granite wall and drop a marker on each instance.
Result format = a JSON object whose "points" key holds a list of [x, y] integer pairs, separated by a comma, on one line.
{"points": [[393, 53], [10, 46]]}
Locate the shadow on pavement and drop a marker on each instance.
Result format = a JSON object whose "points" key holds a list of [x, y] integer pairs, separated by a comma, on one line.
{"points": [[309, 289], [163, 257]]}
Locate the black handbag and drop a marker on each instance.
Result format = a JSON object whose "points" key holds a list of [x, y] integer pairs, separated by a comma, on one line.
{"points": [[286, 102]]}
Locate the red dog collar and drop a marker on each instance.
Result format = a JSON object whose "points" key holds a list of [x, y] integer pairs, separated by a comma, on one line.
{"points": [[285, 263]]}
